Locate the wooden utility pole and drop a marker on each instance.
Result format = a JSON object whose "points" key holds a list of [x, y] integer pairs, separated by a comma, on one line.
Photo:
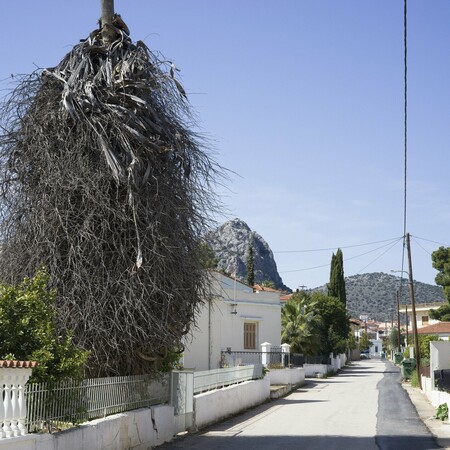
{"points": [[398, 323], [413, 306]]}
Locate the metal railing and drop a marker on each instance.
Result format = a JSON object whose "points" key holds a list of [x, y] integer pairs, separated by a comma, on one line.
{"points": [[317, 360], [274, 358], [219, 378], [233, 358], [67, 403]]}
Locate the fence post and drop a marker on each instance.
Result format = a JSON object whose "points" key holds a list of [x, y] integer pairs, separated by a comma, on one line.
{"points": [[182, 398], [286, 355], [265, 356], [13, 377]]}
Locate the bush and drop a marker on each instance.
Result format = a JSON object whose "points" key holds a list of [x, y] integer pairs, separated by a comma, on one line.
{"points": [[414, 378], [28, 331], [442, 412]]}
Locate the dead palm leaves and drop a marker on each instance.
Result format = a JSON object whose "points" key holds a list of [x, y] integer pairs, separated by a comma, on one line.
{"points": [[105, 183]]}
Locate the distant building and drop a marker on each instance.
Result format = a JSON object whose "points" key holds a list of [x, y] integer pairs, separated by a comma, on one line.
{"points": [[422, 313]]}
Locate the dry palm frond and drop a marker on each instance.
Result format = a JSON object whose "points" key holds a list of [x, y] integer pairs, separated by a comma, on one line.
{"points": [[105, 183]]}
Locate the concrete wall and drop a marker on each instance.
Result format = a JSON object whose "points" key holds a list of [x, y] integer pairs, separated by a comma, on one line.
{"points": [[295, 376], [138, 430], [311, 370], [211, 407], [434, 396]]}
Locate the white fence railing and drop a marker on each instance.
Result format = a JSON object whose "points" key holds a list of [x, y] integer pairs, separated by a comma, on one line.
{"points": [[70, 402], [219, 378], [13, 378]]}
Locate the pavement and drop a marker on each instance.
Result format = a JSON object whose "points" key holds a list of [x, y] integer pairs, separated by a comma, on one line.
{"points": [[426, 411]]}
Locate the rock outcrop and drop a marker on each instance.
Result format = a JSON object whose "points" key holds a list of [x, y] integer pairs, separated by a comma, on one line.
{"points": [[230, 243]]}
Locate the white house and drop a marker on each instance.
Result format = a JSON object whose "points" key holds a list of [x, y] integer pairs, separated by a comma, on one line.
{"points": [[422, 313], [236, 318]]}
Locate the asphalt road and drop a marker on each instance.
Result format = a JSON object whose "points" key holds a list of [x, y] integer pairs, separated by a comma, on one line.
{"points": [[364, 407]]}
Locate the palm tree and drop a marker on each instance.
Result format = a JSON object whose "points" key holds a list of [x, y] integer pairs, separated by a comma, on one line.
{"points": [[300, 326]]}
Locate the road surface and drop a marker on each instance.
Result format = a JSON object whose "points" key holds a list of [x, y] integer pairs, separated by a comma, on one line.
{"points": [[364, 407]]}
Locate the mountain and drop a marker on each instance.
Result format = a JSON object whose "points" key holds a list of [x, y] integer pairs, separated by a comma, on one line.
{"points": [[230, 244], [374, 294]]}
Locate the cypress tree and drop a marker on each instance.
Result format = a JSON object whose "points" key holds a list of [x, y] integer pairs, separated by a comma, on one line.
{"points": [[250, 265], [336, 286]]}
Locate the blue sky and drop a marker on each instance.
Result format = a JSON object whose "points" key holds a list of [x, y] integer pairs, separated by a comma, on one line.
{"points": [[303, 100]]}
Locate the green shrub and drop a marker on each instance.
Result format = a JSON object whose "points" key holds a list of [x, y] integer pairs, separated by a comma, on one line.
{"points": [[442, 412], [28, 331], [414, 378]]}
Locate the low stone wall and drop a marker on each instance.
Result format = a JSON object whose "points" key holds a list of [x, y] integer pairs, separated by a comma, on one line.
{"points": [[211, 407], [312, 370], [138, 430], [295, 376]]}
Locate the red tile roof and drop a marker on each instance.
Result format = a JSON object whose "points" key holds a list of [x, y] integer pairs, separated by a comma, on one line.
{"points": [[440, 327], [285, 298], [259, 287], [17, 364]]}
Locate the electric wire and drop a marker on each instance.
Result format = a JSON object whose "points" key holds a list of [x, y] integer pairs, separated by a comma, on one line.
{"points": [[379, 256], [348, 259], [429, 240], [423, 248], [337, 246]]}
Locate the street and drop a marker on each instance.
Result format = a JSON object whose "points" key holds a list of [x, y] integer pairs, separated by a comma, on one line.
{"points": [[364, 407]]}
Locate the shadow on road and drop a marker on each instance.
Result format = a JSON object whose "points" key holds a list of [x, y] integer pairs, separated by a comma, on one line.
{"points": [[226, 440]]}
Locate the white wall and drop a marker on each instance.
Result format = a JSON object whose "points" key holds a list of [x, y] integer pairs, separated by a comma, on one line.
{"points": [[293, 376], [140, 429], [211, 407], [217, 329], [376, 343]]}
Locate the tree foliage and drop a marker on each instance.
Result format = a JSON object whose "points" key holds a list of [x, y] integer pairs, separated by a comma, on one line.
{"points": [[364, 341], [441, 262], [334, 325], [207, 256], [104, 182], [300, 325], [393, 338], [315, 324], [424, 344], [336, 286], [28, 331]]}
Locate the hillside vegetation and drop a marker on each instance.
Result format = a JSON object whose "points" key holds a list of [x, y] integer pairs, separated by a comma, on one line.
{"points": [[374, 294]]}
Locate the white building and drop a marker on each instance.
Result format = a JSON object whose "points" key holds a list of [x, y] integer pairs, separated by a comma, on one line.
{"points": [[422, 313], [236, 318]]}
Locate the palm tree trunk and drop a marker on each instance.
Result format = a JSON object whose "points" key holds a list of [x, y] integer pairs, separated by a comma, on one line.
{"points": [[107, 19]]}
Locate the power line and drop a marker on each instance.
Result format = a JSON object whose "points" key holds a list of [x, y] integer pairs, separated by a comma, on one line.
{"points": [[424, 249], [429, 240], [336, 247], [379, 256], [353, 257]]}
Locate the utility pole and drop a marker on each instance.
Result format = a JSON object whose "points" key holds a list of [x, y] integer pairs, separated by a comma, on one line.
{"points": [[398, 322], [407, 320], [413, 306]]}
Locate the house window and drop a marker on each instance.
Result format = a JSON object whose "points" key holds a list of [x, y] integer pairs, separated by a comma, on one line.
{"points": [[424, 320], [250, 330]]}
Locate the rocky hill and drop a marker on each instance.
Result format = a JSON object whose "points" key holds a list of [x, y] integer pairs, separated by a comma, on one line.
{"points": [[230, 244], [370, 293], [374, 294]]}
